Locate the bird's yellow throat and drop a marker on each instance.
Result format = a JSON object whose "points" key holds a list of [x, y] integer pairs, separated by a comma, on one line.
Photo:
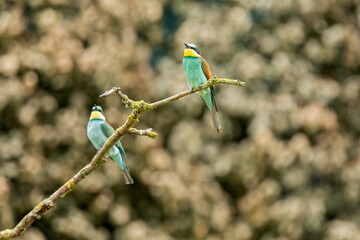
{"points": [[96, 115], [190, 53]]}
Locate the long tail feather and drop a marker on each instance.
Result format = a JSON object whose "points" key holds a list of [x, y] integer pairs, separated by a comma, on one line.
{"points": [[120, 162], [125, 170], [127, 177], [209, 99], [215, 119]]}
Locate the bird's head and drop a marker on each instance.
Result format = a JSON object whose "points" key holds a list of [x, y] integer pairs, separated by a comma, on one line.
{"points": [[191, 50], [97, 113]]}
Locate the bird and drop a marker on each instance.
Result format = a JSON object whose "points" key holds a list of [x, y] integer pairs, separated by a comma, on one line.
{"points": [[197, 72], [98, 132]]}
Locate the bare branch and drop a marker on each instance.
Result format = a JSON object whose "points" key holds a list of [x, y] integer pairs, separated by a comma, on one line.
{"points": [[125, 99], [109, 92], [148, 132], [138, 108]]}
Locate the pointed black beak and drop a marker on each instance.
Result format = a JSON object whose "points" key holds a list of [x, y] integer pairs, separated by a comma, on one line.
{"points": [[186, 45]]}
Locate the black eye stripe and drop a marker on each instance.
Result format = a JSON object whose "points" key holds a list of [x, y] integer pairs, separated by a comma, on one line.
{"points": [[195, 50], [96, 109]]}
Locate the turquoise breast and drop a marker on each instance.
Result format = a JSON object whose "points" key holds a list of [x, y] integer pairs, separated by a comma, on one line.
{"points": [[95, 134], [193, 72]]}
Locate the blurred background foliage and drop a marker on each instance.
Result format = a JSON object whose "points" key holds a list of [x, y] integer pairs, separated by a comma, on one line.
{"points": [[286, 165]]}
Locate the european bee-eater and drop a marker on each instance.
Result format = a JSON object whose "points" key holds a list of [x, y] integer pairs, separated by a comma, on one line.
{"points": [[197, 72], [98, 131]]}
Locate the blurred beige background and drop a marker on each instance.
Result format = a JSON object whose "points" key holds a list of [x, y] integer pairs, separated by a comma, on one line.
{"points": [[286, 165]]}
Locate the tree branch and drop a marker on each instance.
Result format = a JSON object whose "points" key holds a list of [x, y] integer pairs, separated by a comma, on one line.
{"points": [[149, 106], [138, 108]]}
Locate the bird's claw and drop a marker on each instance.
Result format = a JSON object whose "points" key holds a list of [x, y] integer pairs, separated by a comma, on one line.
{"points": [[193, 90]]}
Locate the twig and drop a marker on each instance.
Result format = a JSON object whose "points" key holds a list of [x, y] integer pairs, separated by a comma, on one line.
{"points": [[148, 132], [138, 108]]}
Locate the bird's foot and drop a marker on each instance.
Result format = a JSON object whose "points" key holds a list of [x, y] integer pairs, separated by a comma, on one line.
{"points": [[193, 90]]}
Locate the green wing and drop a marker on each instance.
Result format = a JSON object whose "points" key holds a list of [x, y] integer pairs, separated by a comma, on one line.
{"points": [[108, 131]]}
